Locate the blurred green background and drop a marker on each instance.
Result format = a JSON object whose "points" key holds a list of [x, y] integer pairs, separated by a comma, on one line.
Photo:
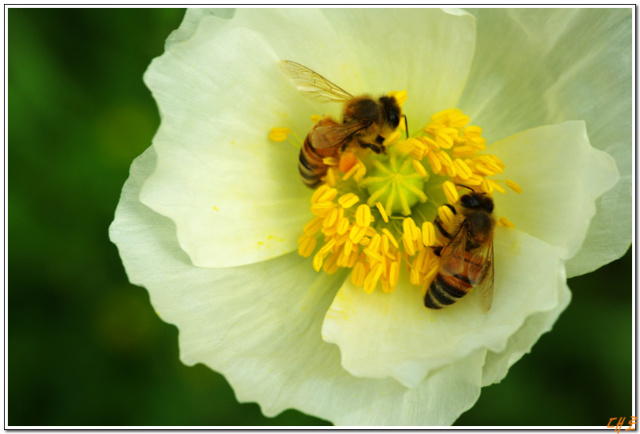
{"points": [[86, 348]]}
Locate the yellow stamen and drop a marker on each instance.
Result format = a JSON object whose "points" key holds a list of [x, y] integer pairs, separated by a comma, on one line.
{"points": [[345, 232], [279, 134], [363, 215], [450, 192], [419, 167], [446, 215], [428, 234], [307, 246], [503, 221], [348, 200], [383, 213], [513, 186]]}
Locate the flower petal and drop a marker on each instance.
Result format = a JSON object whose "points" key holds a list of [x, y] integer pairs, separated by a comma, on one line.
{"points": [[498, 363], [561, 176], [562, 53], [435, 67], [218, 176], [393, 335], [259, 325]]}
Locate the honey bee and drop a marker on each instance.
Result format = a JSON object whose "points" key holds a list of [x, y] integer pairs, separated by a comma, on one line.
{"points": [[365, 122], [466, 261]]}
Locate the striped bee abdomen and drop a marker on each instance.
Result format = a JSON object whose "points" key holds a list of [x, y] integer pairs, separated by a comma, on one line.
{"points": [[310, 165]]}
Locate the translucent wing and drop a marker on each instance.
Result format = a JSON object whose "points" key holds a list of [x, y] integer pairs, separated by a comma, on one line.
{"points": [[313, 84], [474, 266], [485, 285], [334, 135]]}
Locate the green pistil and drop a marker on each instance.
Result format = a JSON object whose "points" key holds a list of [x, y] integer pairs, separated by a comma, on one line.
{"points": [[395, 184]]}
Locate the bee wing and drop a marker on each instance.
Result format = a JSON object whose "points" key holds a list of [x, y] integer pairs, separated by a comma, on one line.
{"points": [[333, 135], [313, 84], [452, 256], [485, 287], [475, 266]]}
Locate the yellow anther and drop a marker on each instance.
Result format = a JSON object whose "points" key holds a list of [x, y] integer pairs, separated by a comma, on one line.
{"points": [[464, 151], [319, 192], [419, 167], [348, 247], [414, 277], [348, 200], [451, 192], [374, 245], [428, 234], [373, 255], [363, 215], [343, 226], [331, 178], [356, 234], [307, 246], [444, 139], [445, 159], [483, 169], [496, 160], [432, 144], [407, 242], [400, 96], [358, 274], [404, 147], [392, 138], [477, 142], [316, 118], [462, 169], [317, 261], [279, 134], [410, 229], [331, 264], [394, 274], [328, 195], [327, 247], [472, 130], [513, 186], [351, 171], [503, 221], [486, 186], [313, 226], [392, 239], [496, 186], [330, 161], [382, 211], [434, 162], [372, 278], [331, 218], [446, 215], [322, 209], [451, 171]]}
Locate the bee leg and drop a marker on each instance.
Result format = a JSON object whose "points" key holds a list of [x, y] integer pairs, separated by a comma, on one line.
{"points": [[437, 250], [378, 149]]}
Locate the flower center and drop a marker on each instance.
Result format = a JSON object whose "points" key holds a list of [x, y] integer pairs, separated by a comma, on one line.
{"points": [[374, 213]]}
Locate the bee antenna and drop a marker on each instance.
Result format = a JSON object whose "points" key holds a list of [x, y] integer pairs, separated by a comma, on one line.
{"points": [[406, 125], [468, 188]]}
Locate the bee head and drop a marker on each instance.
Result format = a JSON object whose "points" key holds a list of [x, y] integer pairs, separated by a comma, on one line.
{"points": [[475, 200], [391, 110]]}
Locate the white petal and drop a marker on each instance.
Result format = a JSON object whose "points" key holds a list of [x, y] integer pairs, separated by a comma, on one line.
{"points": [[191, 21], [498, 363], [393, 335], [523, 54], [235, 196], [561, 176], [428, 52], [259, 325]]}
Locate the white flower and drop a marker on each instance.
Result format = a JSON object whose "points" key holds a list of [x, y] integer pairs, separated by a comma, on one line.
{"points": [[209, 219]]}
